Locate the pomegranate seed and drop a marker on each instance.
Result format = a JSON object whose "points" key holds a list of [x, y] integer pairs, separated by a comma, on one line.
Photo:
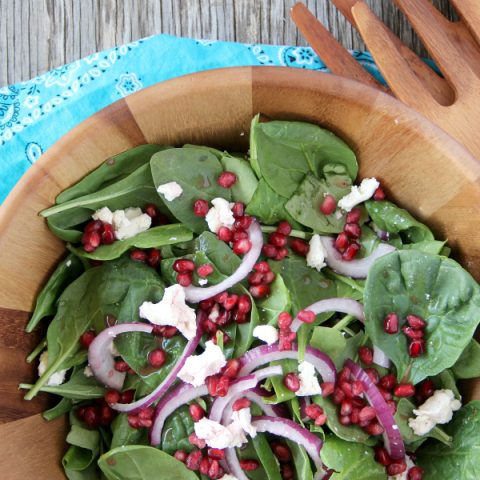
{"points": [[416, 322], [92, 238], [373, 375], [255, 278], [387, 382], [353, 230], [147, 413], [390, 323], [87, 338], [244, 305], [184, 279], [183, 266], [238, 209], [282, 452], [227, 179], [151, 210], [282, 252], [230, 302], [216, 453], [145, 423], [121, 366], [225, 234], [396, 467], [345, 420], [214, 470], [92, 417], [157, 357], [243, 223], [313, 411], [240, 247], [385, 394], [338, 396], [240, 404], [196, 412], [262, 267], [355, 416], [200, 208], [270, 251], [321, 420], [300, 247], [327, 388], [108, 235], [346, 407], [415, 473], [291, 381], [366, 355], [193, 460], [354, 215], [153, 258], [357, 388], [269, 277], [223, 386], [111, 396], [232, 368], [94, 226], [220, 297], [239, 317], [351, 252], [180, 455], [413, 333], [347, 389], [284, 320], [374, 428], [259, 291], [392, 406], [138, 255], [204, 466], [306, 316], [382, 456], [198, 442], [426, 389], [366, 414], [133, 420], [284, 228], [165, 331], [416, 348], [358, 402], [277, 239], [207, 304], [342, 242], [239, 235], [344, 375], [205, 270], [379, 194], [127, 396], [404, 390], [287, 471], [249, 465], [329, 205]]}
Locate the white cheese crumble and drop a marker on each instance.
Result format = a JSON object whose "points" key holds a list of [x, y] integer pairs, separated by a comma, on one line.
{"points": [[171, 310], [438, 409], [266, 333], [228, 476], [243, 418], [68, 263], [359, 194], [202, 281], [316, 254], [404, 475], [104, 214], [198, 367], [56, 378], [126, 223], [308, 380], [87, 371], [170, 190], [220, 215]]}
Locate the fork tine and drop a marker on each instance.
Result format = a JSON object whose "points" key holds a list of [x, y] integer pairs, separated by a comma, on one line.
{"points": [[337, 58], [439, 88], [469, 11]]}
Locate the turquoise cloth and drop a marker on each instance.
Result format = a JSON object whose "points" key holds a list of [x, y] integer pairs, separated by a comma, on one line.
{"points": [[36, 113]]}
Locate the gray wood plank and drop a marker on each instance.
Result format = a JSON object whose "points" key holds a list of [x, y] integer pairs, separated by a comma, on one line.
{"points": [[37, 35]]}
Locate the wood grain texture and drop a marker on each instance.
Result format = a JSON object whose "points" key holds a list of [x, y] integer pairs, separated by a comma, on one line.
{"points": [[37, 35]]}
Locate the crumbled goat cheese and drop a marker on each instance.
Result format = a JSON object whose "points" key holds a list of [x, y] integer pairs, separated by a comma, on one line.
{"points": [[105, 215], [308, 380], [217, 435], [126, 223], [214, 313], [171, 310], [56, 378], [243, 417], [266, 333], [404, 475], [87, 371], [68, 263], [227, 476], [198, 367], [359, 194], [220, 215], [202, 281], [316, 254], [438, 409], [170, 190]]}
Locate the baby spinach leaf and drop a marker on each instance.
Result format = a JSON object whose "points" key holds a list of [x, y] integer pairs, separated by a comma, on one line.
{"points": [[301, 461], [85, 445], [437, 289], [281, 392], [110, 171], [61, 408], [267, 459], [256, 449], [124, 434], [246, 184], [152, 238], [253, 146], [66, 225], [287, 151], [329, 341], [462, 459], [393, 219], [196, 170], [351, 461], [138, 462], [468, 365], [218, 252], [434, 247], [278, 301], [176, 430], [67, 270], [446, 379]]}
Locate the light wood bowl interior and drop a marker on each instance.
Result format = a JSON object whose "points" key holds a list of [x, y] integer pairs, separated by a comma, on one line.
{"points": [[422, 168]]}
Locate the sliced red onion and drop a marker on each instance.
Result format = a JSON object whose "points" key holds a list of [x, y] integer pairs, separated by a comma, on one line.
{"points": [[380, 357], [233, 465], [258, 356], [180, 395], [169, 379], [353, 268], [101, 359], [343, 305], [197, 294], [392, 438], [304, 402]]}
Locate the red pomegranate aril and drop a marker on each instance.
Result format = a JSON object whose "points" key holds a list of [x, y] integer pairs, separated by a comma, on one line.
{"points": [[92, 239], [396, 467], [183, 265], [269, 277], [261, 267], [138, 255], [220, 297], [313, 411], [287, 472], [387, 382], [426, 389], [415, 473], [291, 381], [232, 368], [390, 323], [239, 317], [94, 226], [358, 402], [300, 247], [366, 355], [255, 278], [374, 428], [89, 249], [111, 396], [270, 251], [277, 239], [196, 412], [223, 386], [200, 208], [404, 390], [198, 442], [214, 470], [133, 420], [321, 420], [108, 235], [230, 302], [184, 279], [145, 423], [352, 230], [249, 465], [127, 396], [366, 414], [193, 460], [416, 322], [413, 333], [327, 388], [216, 453], [341, 242], [227, 179], [346, 407], [284, 320], [204, 466], [212, 383], [385, 394], [157, 357], [243, 223], [306, 316], [151, 210], [241, 247], [416, 348], [87, 338], [206, 305], [354, 416], [373, 375], [357, 388], [205, 270], [240, 404], [282, 252], [344, 375], [153, 258], [345, 420], [351, 252], [347, 389], [338, 396], [328, 205], [239, 235], [381, 456], [165, 331], [225, 234], [379, 194], [284, 228], [244, 305], [354, 215], [181, 455], [282, 452], [259, 291], [92, 417], [238, 209], [121, 366], [146, 413]]}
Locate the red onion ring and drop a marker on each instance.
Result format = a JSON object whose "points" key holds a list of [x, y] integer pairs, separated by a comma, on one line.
{"points": [[354, 268], [100, 358], [344, 305], [392, 438], [258, 356], [197, 294]]}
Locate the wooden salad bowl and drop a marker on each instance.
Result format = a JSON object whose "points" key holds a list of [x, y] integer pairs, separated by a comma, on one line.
{"points": [[422, 168]]}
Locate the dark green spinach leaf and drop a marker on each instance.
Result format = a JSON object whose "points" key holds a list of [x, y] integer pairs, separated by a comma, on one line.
{"points": [[468, 365], [246, 184], [124, 434]]}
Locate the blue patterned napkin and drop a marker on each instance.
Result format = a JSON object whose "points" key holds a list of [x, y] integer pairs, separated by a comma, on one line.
{"points": [[36, 113]]}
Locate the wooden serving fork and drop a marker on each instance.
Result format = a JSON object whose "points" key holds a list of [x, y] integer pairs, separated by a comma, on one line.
{"points": [[452, 101]]}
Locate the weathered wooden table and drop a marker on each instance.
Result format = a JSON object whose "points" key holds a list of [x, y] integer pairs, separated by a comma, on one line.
{"points": [[37, 35]]}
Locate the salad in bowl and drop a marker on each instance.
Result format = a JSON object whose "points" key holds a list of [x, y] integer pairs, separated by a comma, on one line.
{"points": [[231, 316]]}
